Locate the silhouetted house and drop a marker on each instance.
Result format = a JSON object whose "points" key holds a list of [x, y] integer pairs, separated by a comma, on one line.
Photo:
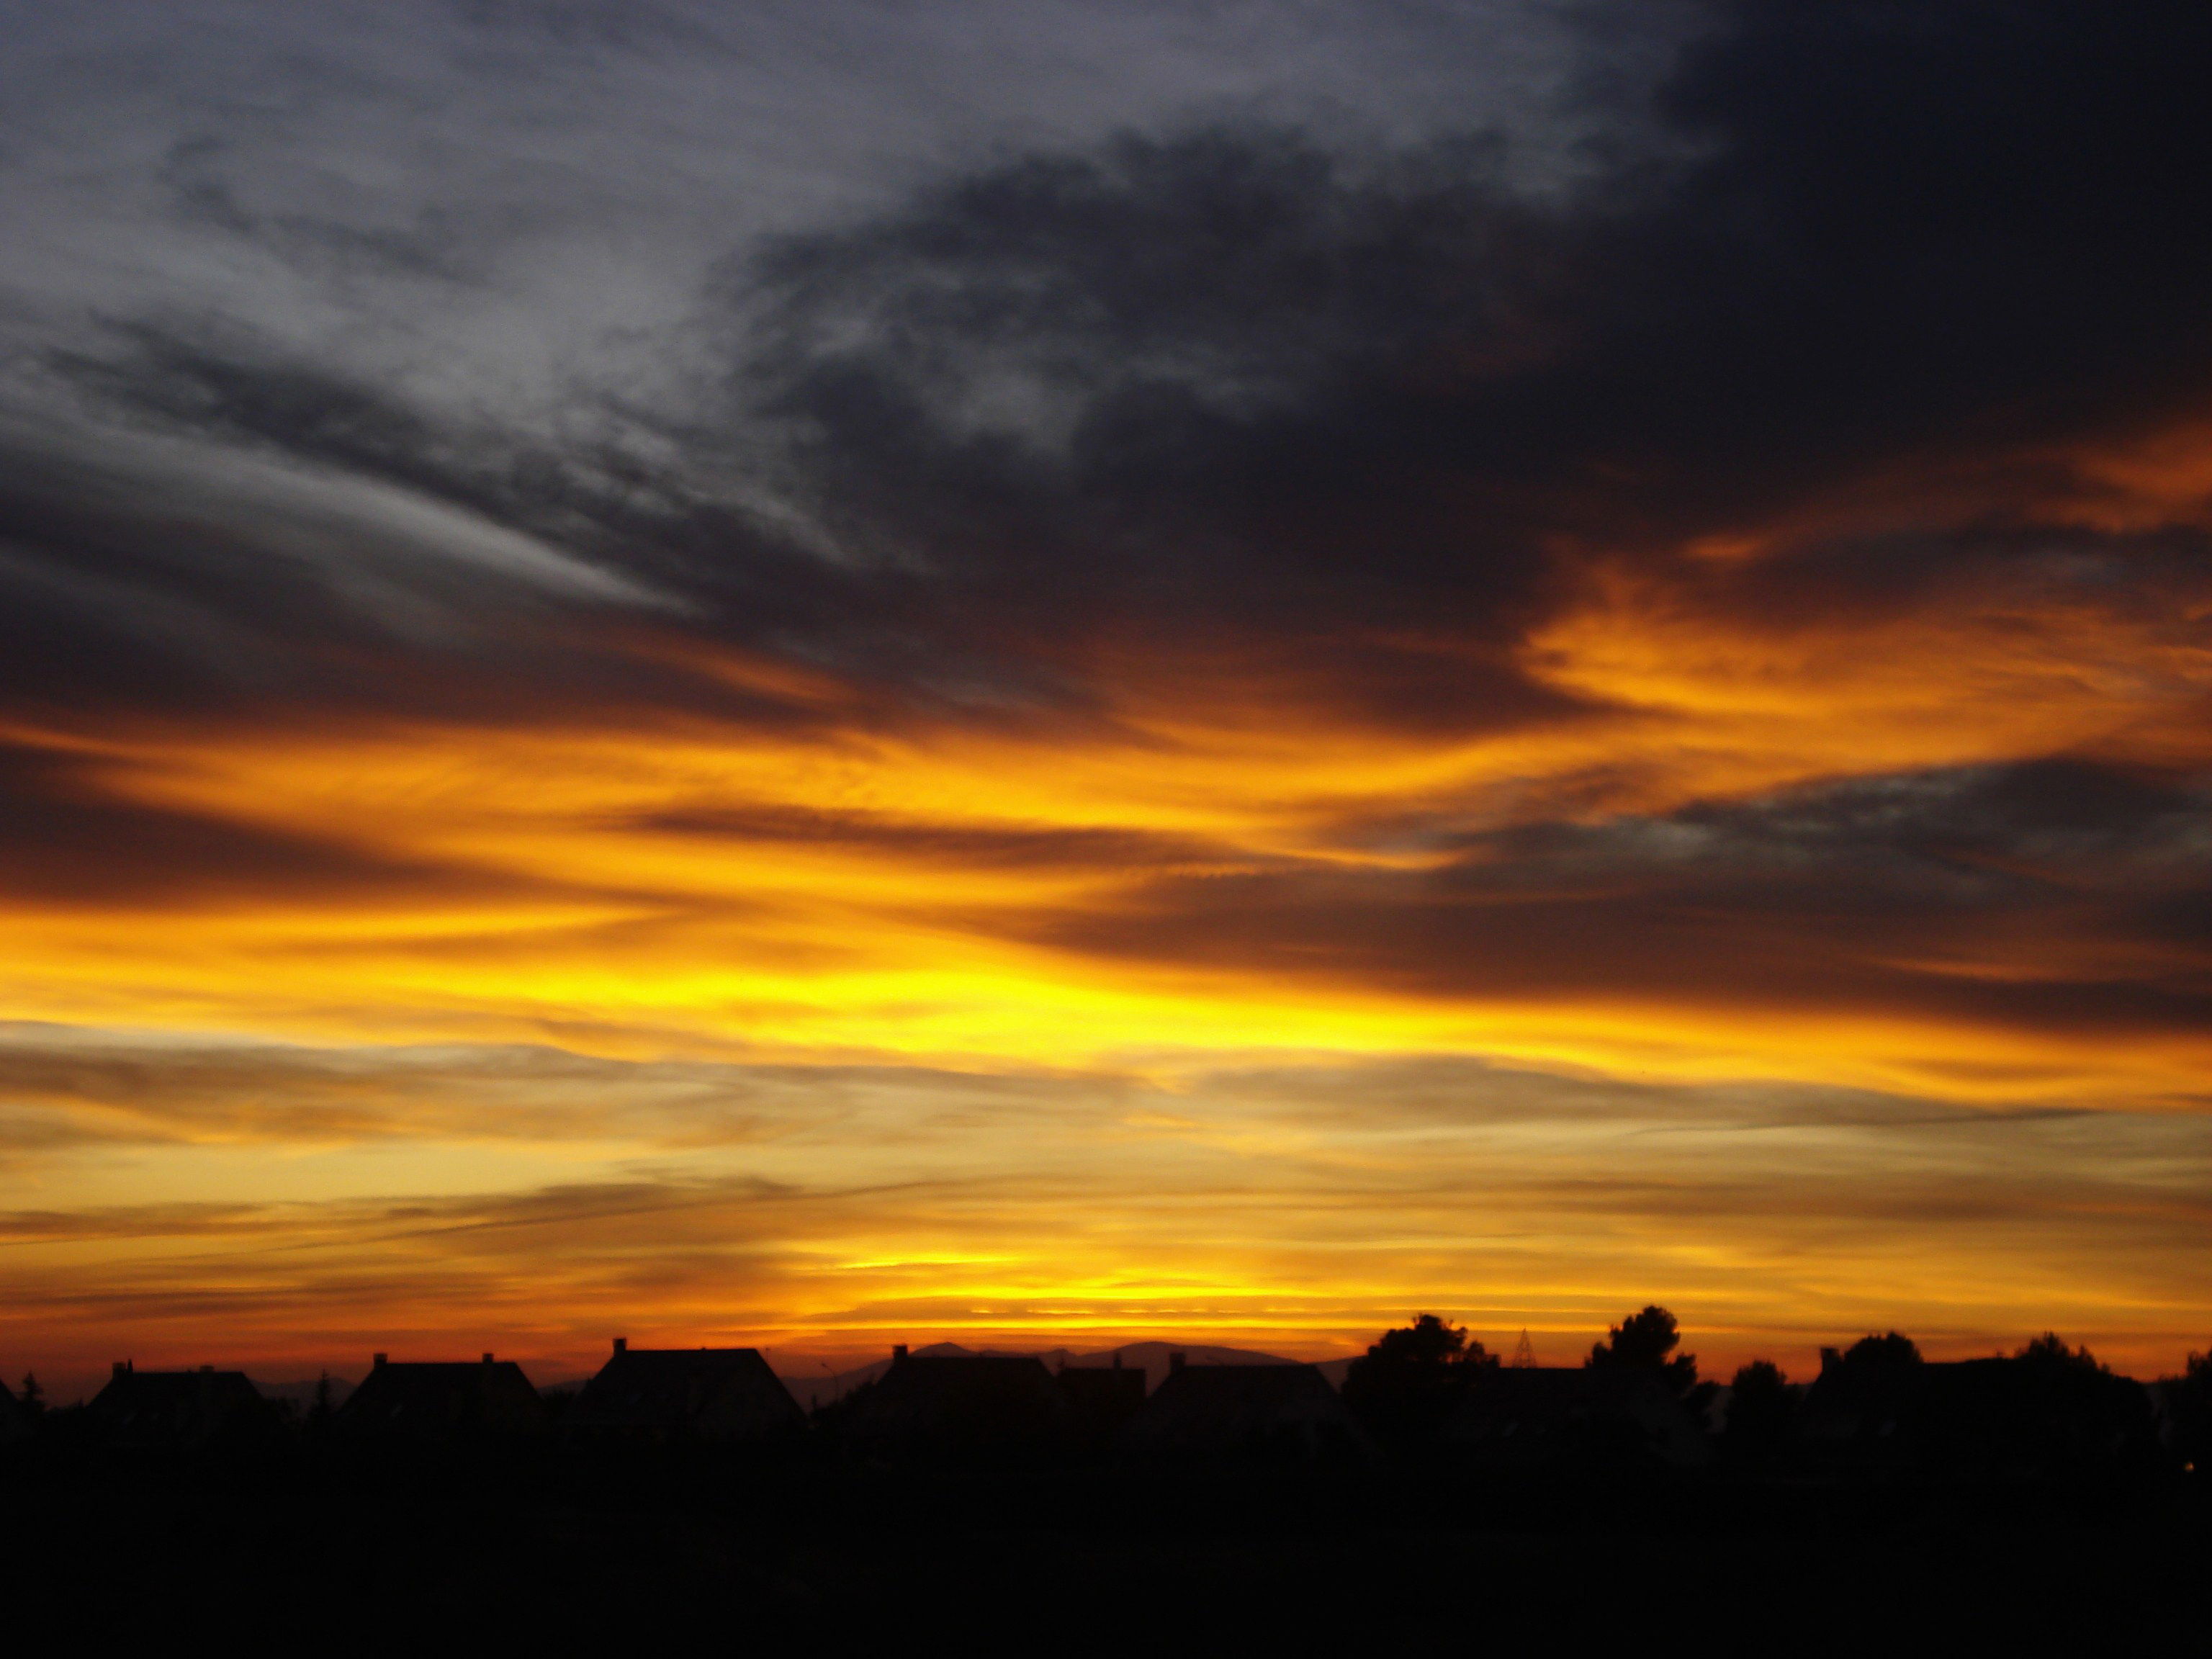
{"points": [[724, 1395], [2036, 1415], [442, 1401], [2030, 1418], [1101, 1399], [180, 1410], [1246, 1413], [1595, 1418], [971, 1409]]}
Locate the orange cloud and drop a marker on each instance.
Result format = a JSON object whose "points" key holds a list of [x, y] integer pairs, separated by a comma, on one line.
{"points": [[1076, 1026]]}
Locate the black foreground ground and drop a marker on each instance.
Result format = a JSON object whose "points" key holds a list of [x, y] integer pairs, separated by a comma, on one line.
{"points": [[346, 1554]]}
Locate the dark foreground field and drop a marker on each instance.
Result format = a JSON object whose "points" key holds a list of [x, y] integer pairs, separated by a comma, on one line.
{"points": [[321, 1554]]}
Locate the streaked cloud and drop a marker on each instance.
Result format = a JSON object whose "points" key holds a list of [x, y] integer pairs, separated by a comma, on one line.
{"points": [[1277, 1205], [1220, 668]]}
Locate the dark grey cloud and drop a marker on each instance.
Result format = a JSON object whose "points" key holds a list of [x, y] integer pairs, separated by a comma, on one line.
{"points": [[1243, 380], [450, 250], [428, 243], [1198, 384], [67, 839], [2058, 896], [186, 559], [1301, 395]]}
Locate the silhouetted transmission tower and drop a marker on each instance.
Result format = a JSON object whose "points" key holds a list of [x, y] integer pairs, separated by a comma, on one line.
{"points": [[1524, 1355]]}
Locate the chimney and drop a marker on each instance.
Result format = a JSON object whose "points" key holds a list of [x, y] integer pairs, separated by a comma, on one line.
{"points": [[1117, 1359], [487, 1359], [622, 1344], [898, 1352], [1175, 1359], [123, 1368], [380, 1362], [207, 1370]]}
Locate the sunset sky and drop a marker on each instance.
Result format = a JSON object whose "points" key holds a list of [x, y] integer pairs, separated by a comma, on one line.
{"points": [[813, 672]]}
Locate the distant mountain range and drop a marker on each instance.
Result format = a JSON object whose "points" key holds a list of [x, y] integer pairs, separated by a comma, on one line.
{"points": [[1151, 1358]]}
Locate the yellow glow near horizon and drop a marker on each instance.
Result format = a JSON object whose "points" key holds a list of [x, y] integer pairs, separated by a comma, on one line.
{"points": [[846, 895], [585, 878]]}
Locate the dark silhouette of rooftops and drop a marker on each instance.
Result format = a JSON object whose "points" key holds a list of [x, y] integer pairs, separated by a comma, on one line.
{"points": [[1284, 1412], [1879, 1408], [442, 1400], [1602, 1415], [2031, 1415], [725, 1395], [15, 1419], [1101, 1398], [178, 1411], [969, 1408]]}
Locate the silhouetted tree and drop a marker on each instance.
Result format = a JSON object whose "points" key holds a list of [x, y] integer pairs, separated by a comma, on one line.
{"points": [[1648, 1340], [1852, 1415], [2049, 1411], [1428, 1344], [34, 1397], [320, 1411], [1406, 1386], [2050, 1350], [1762, 1405], [1880, 1363], [1890, 1348]]}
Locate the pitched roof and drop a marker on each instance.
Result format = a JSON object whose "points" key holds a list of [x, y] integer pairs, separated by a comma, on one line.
{"points": [[177, 1409], [1215, 1410], [1522, 1414], [974, 1403], [2017, 1416], [436, 1399], [712, 1393], [926, 1384]]}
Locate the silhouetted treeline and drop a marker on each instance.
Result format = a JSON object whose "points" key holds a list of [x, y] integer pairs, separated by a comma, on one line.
{"points": [[1425, 1401], [1877, 1411]]}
